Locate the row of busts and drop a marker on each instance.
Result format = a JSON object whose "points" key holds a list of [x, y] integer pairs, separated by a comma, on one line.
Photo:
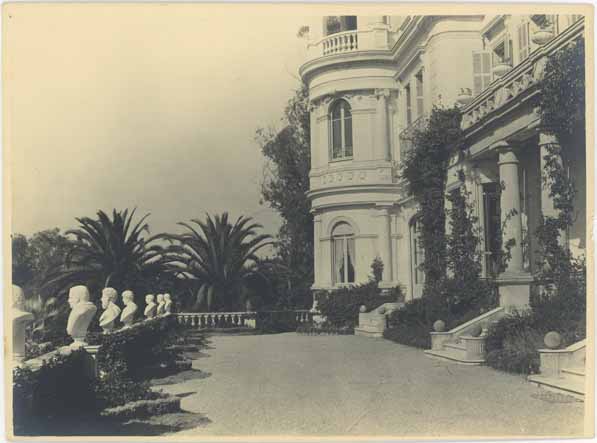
{"points": [[83, 310]]}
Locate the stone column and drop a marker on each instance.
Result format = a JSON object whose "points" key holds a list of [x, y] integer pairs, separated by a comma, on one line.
{"points": [[547, 141], [316, 250], [510, 207], [385, 245], [514, 283], [382, 129]]}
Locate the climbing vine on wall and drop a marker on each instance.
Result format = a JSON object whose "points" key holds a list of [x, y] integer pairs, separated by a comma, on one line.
{"points": [[563, 116], [425, 168]]}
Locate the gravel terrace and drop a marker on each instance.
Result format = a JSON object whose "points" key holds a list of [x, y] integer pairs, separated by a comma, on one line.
{"points": [[289, 384]]}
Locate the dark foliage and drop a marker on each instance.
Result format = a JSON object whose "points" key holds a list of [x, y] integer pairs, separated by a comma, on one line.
{"points": [[59, 388], [425, 169], [220, 256], [110, 252], [284, 188], [125, 356], [460, 303]]}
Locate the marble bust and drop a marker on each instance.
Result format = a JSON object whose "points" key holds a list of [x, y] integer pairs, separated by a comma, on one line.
{"points": [[81, 314], [160, 308], [167, 304], [20, 320], [150, 306], [130, 308], [111, 312]]}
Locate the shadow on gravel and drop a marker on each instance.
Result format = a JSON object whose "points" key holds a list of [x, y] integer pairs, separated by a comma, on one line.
{"points": [[103, 427], [191, 374]]}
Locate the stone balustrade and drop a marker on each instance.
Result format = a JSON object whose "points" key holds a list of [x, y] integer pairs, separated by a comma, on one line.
{"points": [[341, 42], [517, 81], [206, 320], [249, 319]]}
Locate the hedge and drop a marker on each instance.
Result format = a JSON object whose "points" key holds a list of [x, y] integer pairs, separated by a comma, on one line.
{"points": [[455, 305], [61, 386]]}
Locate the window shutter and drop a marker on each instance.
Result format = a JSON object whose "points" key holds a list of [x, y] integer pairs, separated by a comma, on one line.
{"points": [[508, 49], [420, 96], [523, 41], [481, 71]]}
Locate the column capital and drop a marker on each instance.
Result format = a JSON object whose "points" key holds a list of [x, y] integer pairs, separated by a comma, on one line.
{"points": [[506, 152], [379, 93], [546, 138]]}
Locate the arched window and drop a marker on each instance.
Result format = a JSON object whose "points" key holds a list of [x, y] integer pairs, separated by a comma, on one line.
{"points": [[343, 254], [341, 130]]}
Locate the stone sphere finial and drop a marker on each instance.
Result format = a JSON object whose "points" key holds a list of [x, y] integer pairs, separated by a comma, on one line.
{"points": [[476, 331], [363, 309], [552, 340], [439, 326]]}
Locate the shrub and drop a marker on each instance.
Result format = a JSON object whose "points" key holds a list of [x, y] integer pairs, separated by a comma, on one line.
{"points": [[512, 344], [125, 355], [455, 304], [341, 307], [59, 387], [276, 321]]}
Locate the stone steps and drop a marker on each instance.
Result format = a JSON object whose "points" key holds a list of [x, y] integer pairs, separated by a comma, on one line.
{"points": [[571, 385], [575, 373], [456, 354], [456, 346]]}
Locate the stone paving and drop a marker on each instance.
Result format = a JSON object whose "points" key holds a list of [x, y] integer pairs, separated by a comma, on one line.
{"points": [[289, 384]]}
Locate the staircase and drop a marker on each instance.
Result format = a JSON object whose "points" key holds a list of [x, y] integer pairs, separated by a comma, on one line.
{"points": [[459, 345], [372, 324], [563, 370]]}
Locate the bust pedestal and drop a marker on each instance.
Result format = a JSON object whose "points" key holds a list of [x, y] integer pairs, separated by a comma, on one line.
{"points": [[20, 321]]}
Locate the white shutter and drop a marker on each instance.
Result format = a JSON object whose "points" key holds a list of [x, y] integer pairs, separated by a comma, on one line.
{"points": [[523, 41], [420, 96], [481, 71]]}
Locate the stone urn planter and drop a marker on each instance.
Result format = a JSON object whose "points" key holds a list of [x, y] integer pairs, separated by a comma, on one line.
{"points": [[542, 36], [500, 69]]}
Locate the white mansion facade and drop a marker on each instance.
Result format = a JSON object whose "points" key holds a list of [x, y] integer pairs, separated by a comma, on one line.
{"points": [[373, 79]]}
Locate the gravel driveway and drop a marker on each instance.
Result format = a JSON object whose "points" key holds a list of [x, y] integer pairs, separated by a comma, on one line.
{"points": [[289, 384]]}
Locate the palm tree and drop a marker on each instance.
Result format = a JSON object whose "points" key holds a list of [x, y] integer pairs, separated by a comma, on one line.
{"points": [[110, 252], [220, 256], [43, 311]]}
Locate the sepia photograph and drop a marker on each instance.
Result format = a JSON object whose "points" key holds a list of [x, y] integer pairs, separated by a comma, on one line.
{"points": [[266, 221]]}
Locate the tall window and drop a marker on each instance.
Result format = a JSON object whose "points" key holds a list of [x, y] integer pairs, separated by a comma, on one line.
{"points": [[417, 253], [409, 111], [491, 228], [343, 254], [341, 130], [339, 23], [420, 96]]}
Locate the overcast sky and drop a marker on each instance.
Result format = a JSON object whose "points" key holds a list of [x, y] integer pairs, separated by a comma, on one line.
{"points": [[153, 106]]}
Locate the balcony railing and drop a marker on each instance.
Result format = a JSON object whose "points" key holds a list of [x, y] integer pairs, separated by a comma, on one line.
{"points": [[341, 42], [518, 79], [407, 135]]}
